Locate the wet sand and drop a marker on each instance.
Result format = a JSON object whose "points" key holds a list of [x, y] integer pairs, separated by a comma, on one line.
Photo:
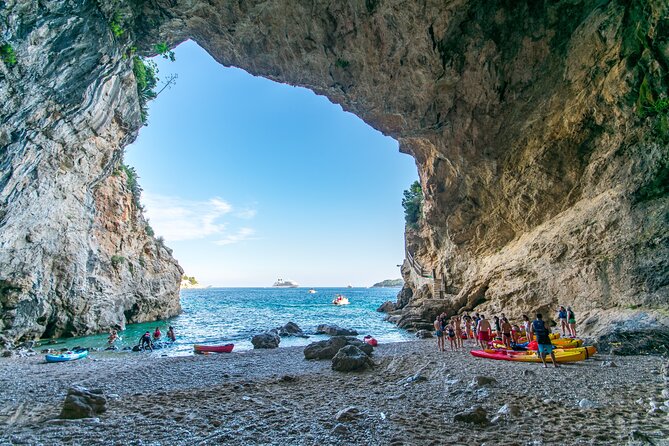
{"points": [[276, 397]]}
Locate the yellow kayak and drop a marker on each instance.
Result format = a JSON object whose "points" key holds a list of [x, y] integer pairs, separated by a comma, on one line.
{"points": [[561, 355]]}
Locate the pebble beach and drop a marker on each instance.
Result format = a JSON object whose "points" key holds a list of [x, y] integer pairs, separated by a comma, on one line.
{"points": [[414, 395]]}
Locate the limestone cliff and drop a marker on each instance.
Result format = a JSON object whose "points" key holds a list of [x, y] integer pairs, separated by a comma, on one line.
{"points": [[538, 128]]}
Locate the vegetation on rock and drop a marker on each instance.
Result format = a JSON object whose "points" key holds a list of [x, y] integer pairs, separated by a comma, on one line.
{"points": [[413, 204], [189, 279], [132, 183], [7, 54]]}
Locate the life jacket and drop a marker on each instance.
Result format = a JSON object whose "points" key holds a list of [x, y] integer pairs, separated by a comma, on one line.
{"points": [[541, 332]]}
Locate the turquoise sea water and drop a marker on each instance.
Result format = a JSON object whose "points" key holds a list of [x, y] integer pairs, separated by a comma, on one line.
{"points": [[223, 315]]}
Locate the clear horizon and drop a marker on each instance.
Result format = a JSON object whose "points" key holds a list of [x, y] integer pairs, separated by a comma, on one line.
{"points": [[249, 180]]}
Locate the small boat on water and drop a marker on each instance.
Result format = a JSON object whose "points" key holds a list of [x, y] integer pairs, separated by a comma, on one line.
{"points": [[227, 348], [312, 291], [67, 356], [340, 300]]}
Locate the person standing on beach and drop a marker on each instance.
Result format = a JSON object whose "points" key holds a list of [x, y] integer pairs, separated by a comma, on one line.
{"points": [[571, 320], [498, 328], [506, 332], [562, 317], [484, 332], [451, 335], [544, 345], [439, 334], [526, 325], [468, 326], [457, 325]]}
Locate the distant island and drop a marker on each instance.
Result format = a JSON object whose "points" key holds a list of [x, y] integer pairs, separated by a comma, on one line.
{"points": [[190, 282], [389, 283]]}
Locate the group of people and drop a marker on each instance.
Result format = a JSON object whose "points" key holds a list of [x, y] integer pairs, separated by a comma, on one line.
{"points": [[147, 340], [483, 331]]}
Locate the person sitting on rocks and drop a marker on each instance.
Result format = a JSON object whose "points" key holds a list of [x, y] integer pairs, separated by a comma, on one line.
{"points": [[170, 334], [113, 336], [544, 345], [145, 341], [439, 334], [484, 332]]}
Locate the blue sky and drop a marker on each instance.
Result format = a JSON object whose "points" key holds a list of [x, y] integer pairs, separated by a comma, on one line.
{"points": [[249, 180]]}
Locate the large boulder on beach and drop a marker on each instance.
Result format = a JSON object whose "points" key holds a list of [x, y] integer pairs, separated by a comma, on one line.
{"points": [[83, 403], [266, 340], [335, 330], [424, 334], [386, 307], [350, 358], [290, 329], [328, 349]]}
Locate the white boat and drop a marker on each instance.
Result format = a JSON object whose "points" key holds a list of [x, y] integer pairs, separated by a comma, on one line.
{"points": [[285, 283], [312, 291], [340, 300]]}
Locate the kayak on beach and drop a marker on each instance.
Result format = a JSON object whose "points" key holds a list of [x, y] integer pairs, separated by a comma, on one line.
{"points": [[561, 355], [227, 348], [67, 356]]}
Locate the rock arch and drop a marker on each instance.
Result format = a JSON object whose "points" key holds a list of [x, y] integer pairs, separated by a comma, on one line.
{"points": [[535, 127]]}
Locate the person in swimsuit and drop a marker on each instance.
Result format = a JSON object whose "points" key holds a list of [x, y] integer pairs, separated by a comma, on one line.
{"points": [[498, 328], [562, 316], [145, 341], [157, 334], [170, 334], [571, 320], [506, 332], [451, 335], [544, 345], [484, 332], [439, 334], [515, 333], [457, 325], [468, 326]]}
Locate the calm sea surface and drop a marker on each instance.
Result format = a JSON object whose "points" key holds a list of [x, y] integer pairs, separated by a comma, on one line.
{"points": [[223, 315]]}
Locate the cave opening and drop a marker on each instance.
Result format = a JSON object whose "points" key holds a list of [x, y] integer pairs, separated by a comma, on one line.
{"points": [[249, 180]]}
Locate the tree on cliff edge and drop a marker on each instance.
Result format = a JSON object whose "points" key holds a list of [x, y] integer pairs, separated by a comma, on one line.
{"points": [[413, 204]]}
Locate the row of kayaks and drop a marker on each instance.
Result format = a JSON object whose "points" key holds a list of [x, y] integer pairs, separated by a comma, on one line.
{"points": [[561, 354], [565, 350]]}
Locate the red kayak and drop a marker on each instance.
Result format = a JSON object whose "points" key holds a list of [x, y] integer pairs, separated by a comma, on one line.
{"points": [[371, 341], [227, 348]]}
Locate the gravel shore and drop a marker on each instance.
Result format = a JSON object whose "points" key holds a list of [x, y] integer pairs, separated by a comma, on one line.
{"points": [[276, 397]]}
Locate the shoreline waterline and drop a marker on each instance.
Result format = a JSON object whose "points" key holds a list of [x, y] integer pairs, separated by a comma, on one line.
{"points": [[214, 316]]}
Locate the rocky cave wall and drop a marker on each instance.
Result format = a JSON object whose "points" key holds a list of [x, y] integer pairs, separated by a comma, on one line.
{"points": [[537, 128]]}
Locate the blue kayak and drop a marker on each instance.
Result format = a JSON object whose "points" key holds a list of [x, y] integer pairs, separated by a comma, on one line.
{"points": [[67, 356]]}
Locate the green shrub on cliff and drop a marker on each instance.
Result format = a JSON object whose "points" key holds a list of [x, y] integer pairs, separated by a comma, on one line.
{"points": [[164, 50], [132, 183], [7, 55], [413, 204], [116, 26], [146, 76]]}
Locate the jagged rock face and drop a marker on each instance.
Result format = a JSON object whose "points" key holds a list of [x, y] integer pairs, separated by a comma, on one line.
{"points": [[543, 184], [74, 254]]}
